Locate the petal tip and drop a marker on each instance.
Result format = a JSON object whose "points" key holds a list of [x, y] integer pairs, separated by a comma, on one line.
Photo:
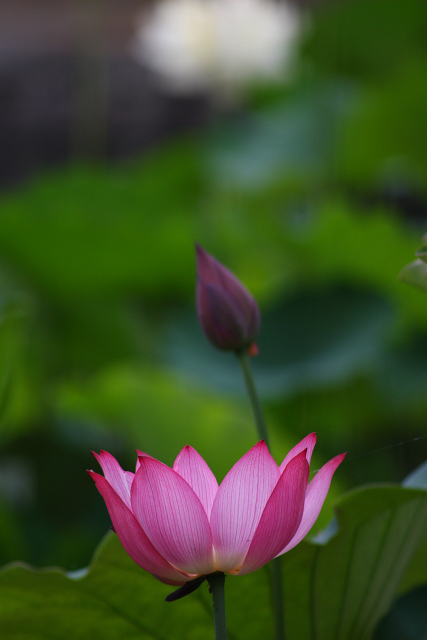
{"points": [[94, 475], [261, 446]]}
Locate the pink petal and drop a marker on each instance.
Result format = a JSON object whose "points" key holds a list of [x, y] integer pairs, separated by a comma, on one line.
{"points": [[212, 272], [172, 516], [306, 443], [316, 493], [238, 506], [120, 480], [140, 454], [227, 312], [190, 465], [281, 516], [133, 538]]}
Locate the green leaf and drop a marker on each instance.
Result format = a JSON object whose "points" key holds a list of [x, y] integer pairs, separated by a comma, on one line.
{"points": [[416, 574], [366, 38], [311, 340], [408, 618], [340, 590], [401, 376], [91, 231], [415, 274], [382, 144], [422, 252], [160, 413], [20, 378], [287, 142], [114, 599]]}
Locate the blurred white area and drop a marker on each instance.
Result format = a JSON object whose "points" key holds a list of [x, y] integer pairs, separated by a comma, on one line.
{"points": [[217, 45]]}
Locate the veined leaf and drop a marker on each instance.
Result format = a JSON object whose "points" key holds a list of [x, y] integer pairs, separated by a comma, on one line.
{"points": [[339, 590], [114, 598]]}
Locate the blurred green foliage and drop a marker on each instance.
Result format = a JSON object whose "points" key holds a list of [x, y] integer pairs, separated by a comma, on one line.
{"points": [[415, 273], [315, 196]]}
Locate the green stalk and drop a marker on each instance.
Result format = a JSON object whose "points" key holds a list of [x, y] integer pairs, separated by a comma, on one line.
{"points": [[277, 597], [258, 414], [216, 584], [275, 565]]}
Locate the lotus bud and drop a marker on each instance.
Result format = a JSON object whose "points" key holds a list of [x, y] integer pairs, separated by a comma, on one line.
{"points": [[228, 314]]}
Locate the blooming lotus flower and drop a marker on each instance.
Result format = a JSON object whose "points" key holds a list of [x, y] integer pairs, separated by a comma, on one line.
{"points": [[178, 524], [227, 312], [217, 45]]}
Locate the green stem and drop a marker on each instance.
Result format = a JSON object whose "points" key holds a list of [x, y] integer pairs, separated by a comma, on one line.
{"points": [[216, 584], [243, 358], [275, 565], [277, 597]]}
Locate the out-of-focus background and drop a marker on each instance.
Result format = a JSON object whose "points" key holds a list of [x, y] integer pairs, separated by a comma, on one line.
{"points": [[290, 141]]}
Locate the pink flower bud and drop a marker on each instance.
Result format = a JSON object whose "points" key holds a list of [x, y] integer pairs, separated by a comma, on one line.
{"points": [[227, 312]]}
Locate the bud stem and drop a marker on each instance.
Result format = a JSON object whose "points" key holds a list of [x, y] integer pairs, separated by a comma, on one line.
{"points": [[216, 584], [242, 355], [275, 565]]}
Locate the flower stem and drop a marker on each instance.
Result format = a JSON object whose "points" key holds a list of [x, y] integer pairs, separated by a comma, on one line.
{"points": [[275, 565], [277, 597], [242, 355], [216, 584]]}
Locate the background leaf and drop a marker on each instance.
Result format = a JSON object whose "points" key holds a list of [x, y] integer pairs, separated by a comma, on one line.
{"points": [[415, 274], [407, 620], [115, 598], [341, 589], [313, 339]]}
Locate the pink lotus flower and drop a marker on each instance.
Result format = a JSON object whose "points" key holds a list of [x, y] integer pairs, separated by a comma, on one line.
{"points": [[178, 524], [227, 312]]}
